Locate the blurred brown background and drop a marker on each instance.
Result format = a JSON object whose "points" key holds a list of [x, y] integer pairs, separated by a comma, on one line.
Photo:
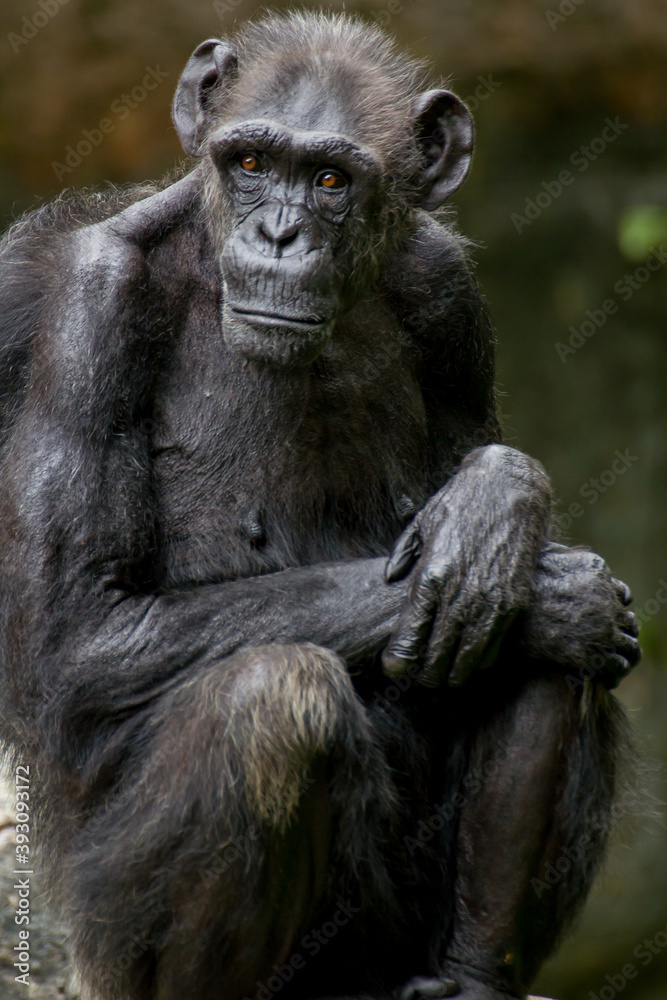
{"points": [[568, 201]]}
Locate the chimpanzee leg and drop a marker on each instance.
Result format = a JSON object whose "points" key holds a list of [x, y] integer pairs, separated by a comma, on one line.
{"points": [[253, 791], [534, 814]]}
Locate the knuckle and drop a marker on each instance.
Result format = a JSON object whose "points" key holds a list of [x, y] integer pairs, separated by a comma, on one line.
{"points": [[399, 650], [598, 565], [433, 578], [428, 679], [524, 467]]}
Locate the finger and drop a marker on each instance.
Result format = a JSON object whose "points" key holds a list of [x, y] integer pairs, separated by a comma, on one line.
{"points": [[627, 646], [628, 622], [443, 643], [483, 647], [615, 669], [623, 591], [404, 554], [413, 630], [490, 656]]}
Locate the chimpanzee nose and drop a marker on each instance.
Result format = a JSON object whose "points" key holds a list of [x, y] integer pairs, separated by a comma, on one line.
{"points": [[279, 226]]}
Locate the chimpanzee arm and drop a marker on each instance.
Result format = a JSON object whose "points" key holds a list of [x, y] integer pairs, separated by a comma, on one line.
{"points": [[472, 550], [82, 610], [481, 544]]}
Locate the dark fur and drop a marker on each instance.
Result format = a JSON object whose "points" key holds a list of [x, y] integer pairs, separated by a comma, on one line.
{"points": [[193, 600]]}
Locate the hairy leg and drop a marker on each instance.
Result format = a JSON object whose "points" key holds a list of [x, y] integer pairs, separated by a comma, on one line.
{"points": [[254, 799], [533, 817]]}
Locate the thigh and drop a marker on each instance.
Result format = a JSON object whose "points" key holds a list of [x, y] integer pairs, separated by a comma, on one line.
{"points": [[251, 796]]}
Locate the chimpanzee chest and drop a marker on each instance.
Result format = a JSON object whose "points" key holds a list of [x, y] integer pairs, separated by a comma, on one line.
{"points": [[259, 468]]}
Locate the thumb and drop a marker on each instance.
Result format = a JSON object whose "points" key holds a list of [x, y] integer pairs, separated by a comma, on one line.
{"points": [[404, 554]]}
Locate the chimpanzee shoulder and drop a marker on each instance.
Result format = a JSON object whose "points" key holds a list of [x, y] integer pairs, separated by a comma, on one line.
{"points": [[35, 259]]}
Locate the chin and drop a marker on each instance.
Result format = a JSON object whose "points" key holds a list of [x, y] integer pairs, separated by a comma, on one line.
{"points": [[285, 342]]}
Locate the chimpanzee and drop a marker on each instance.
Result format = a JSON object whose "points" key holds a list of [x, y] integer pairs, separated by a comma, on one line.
{"points": [[287, 645]]}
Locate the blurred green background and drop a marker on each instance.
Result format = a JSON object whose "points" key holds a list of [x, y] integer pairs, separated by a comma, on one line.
{"points": [[568, 202]]}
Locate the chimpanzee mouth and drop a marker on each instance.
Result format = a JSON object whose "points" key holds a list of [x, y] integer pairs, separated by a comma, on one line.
{"points": [[271, 337], [277, 319]]}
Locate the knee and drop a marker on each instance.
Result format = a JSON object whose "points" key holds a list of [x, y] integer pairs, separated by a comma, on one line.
{"points": [[547, 709], [300, 692], [546, 695], [284, 707]]}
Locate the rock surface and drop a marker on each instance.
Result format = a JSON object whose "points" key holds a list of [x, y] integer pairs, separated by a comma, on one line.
{"points": [[49, 977]]}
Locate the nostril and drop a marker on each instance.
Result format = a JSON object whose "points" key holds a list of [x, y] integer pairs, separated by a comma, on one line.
{"points": [[281, 236], [288, 236], [278, 228]]}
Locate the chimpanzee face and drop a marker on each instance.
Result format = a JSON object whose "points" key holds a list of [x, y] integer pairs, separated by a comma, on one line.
{"points": [[304, 185], [286, 263]]}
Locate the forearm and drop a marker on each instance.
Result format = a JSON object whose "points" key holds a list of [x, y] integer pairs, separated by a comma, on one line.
{"points": [[142, 643], [344, 606]]}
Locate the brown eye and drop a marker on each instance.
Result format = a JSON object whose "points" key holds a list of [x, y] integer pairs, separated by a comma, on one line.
{"points": [[331, 179], [250, 163]]}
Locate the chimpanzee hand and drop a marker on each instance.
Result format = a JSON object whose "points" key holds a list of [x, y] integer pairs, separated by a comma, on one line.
{"points": [[578, 615], [474, 548]]}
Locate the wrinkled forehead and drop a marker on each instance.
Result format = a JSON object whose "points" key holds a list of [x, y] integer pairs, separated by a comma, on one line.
{"points": [[309, 108], [316, 96]]}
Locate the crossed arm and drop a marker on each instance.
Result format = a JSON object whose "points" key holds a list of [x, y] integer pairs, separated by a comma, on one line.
{"points": [[460, 574], [478, 556]]}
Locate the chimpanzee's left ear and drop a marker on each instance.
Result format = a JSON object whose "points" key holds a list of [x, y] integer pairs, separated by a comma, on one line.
{"points": [[444, 130], [209, 65]]}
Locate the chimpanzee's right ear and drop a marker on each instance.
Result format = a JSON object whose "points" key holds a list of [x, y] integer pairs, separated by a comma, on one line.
{"points": [[209, 65]]}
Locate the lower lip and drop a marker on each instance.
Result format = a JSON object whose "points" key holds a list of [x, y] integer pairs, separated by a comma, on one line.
{"points": [[272, 320]]}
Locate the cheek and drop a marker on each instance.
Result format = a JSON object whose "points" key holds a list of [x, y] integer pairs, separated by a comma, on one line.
{"points": [[359, 253]]}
